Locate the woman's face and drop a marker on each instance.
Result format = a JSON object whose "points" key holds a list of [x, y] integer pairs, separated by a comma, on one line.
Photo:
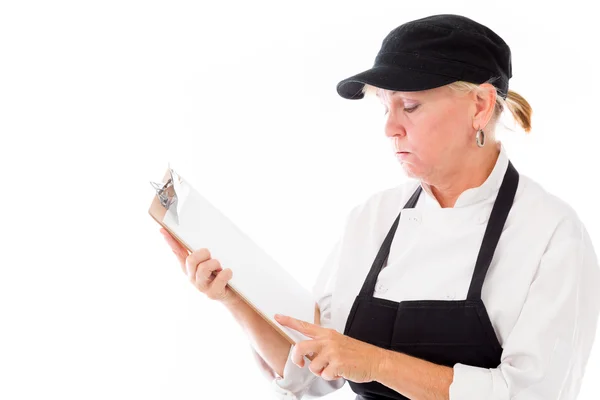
{"points": [[430, 130]]}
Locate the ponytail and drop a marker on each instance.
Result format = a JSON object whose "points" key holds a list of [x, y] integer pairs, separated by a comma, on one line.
{"points": [[520, 109]]}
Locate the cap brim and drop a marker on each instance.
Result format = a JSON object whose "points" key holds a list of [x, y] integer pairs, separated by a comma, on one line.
{"points": [[391, 78]]}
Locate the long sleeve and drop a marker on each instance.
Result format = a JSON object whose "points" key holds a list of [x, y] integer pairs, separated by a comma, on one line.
{"points": [[298, 382], [546, 353]]}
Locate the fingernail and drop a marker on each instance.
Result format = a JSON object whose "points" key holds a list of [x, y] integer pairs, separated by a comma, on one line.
{"points": [[277, 316]]}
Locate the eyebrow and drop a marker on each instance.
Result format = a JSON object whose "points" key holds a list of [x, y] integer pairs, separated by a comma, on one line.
{"points": [[398, 94]]}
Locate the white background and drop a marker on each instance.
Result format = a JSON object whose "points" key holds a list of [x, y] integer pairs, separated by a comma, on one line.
{"points": [[97, 97]]}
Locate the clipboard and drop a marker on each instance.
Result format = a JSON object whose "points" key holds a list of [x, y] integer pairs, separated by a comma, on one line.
{"points": [[257, 278]]}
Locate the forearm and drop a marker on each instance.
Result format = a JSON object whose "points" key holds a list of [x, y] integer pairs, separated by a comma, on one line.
{"points": [[414, 378], [266, 341]]}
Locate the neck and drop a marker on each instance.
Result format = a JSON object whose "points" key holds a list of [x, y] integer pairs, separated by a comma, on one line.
{"points": [[472, 172]]}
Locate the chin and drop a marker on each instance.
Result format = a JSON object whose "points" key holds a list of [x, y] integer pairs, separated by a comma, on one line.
{"points": [[410, 171]]}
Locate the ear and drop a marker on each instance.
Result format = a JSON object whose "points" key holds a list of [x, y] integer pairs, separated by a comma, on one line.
{"points": [[485, 103]]}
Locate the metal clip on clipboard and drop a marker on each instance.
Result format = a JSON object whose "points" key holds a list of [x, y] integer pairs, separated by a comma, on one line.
{"points": [[166, 198], [171, 193]]}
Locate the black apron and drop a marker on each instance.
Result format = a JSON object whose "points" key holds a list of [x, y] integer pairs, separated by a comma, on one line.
{"points": [[440, 331]]}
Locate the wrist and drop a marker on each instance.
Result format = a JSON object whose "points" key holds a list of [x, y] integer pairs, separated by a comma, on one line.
{"points": [[233, 302], [383, 360]]}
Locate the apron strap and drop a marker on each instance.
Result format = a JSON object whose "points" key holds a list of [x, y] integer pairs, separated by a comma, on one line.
{"points": [[368, 288], [502, 206]]}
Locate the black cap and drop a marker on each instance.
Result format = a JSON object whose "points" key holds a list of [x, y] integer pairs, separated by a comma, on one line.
{"points": [[432, 52]]}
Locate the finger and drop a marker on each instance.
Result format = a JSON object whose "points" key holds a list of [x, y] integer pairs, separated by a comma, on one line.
{"points": [[192, 261], [200, 256], [167, 235], [217, 289], [177, 247], [305, 348], [306, 328], [180, 252], [318, 364], [205, 273], [330, 373]]}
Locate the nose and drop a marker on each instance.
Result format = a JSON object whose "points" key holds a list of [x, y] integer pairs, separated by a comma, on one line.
{"points": [[393, 126]]}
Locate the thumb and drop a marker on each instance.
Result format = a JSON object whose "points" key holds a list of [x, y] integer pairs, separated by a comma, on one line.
{"points": [[180, 252], [317, 315]]}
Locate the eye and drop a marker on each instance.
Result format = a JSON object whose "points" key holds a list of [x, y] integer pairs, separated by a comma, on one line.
{"points": [[411, 109]]}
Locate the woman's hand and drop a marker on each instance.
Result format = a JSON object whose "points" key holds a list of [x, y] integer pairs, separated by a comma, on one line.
{"points": [[205, 273], [335, 355]]}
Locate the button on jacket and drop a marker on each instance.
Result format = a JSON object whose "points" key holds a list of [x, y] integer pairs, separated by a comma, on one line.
{"points": [[540, 291]]}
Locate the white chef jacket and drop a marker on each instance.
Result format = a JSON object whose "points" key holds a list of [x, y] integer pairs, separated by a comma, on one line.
{"points": [[541, 290]]}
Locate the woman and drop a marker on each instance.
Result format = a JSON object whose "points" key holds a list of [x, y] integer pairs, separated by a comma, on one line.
{"points": [[484, 287]]}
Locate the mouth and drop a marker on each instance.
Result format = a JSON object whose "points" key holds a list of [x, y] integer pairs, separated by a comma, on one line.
{"points": [[402, 155]]}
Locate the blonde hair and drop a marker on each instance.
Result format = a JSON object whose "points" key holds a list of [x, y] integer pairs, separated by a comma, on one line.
{"points": [[516, 104]]}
